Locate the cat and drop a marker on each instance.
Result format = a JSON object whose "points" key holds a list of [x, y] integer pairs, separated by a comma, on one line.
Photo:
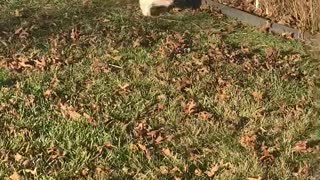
{"points": [[146, 5]]}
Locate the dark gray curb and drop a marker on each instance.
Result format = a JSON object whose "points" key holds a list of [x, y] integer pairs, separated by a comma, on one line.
{"points": [[258, 21]]}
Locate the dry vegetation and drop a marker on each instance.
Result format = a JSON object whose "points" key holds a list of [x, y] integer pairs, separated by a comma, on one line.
{"points": [[90, 89], [303, 14]]}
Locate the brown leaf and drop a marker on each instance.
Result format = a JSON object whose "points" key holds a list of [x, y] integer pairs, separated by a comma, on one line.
{"points": [[33, 172], [18, 157], [159, 139], [301, 147], [75, 34], [303, 170], [69, 111], [254, 178], [160, 107], [257, 95], [99, 67], [146, 151], [164, 170], [115, 58], [74, 115], [85, 172], [17, 13], [86, 3], [248, 141], [271, 53], [166, 152], [190, 107], [41, 63], [123, 89], [137, 42], [212, 171], [18, 31], [203, 71], [198, 172], [89, 119], [15, 176], [183, 83], [47, 93], [221, 96], [265, 155], [109, 145], [133, 147], [204, 116], [266, 27], [55, 153]]}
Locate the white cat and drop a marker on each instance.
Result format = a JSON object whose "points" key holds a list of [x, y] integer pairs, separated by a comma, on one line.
{"points": [[146, 5]]}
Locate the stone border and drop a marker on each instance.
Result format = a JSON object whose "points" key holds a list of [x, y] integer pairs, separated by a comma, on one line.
{"points": [[259, 22]]}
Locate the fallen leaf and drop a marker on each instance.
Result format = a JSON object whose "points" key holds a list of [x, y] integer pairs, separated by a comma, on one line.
{"points": [[109, 145], [47, 93], [271, 53], [26, 162], [55, 153], [190, 107], [198, 172], [212, 171], [203, 71], [204, 116], [99, 67], [257, 95], [301, 147], [69, 111], [254, 178], [15, 176], [248, 141], [86, 3], [18, 157], [89, 119], [75, 34], [17, 13], [85, 172], [266, 27], [123, 89], [33, 172], [159, 139], [160, 107], [164, 170], [74, 115], [133, 147], [166, 152], [265, 155], [303, 171], [145, 150]]}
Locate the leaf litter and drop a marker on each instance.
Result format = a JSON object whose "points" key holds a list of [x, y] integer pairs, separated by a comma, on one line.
{"points": [[195, 78]]}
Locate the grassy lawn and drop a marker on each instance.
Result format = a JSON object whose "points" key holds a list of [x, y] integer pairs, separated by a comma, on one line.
{"points": [[93, 90]]}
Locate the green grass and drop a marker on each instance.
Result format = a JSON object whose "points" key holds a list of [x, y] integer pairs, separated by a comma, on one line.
{"points": [[126, 81]]}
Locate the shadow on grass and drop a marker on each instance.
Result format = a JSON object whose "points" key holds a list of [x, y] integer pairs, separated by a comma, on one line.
{"points": [[50, 19]]}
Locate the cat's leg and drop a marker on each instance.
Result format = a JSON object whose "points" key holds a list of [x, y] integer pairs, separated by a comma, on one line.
{"points": [[145, 6]]}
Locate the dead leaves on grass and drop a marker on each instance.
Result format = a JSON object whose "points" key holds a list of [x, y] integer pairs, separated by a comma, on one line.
{"points": [[301, 147], [189, 108], [248, 141], [257, 96], [213, 170], [15, 176], [70, 112]]}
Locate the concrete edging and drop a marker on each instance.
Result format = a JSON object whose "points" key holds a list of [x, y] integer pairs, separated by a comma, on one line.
{"points": [[259, 22]]}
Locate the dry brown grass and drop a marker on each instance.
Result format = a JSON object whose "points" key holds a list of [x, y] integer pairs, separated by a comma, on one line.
{"points": [[301, 13]]}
